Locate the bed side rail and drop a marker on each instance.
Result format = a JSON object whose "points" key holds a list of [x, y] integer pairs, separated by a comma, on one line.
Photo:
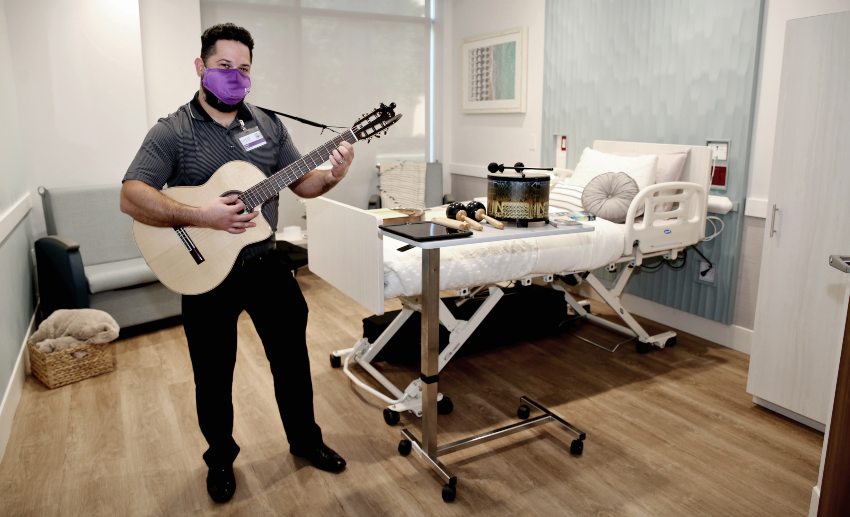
{"points": [[673, 217]]}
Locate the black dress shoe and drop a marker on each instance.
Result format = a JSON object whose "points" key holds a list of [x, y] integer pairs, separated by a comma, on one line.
{"points": [[221, 484], [322, 457]]}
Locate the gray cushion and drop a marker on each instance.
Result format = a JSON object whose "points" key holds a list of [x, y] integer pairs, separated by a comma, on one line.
{"points": [[608, 195], [118, 275], [91, 217]]}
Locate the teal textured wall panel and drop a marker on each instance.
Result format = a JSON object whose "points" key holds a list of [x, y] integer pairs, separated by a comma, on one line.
{"points": [[667, 71]]}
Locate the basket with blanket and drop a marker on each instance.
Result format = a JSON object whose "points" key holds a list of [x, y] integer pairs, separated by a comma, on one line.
{"points": [[72, 345]]}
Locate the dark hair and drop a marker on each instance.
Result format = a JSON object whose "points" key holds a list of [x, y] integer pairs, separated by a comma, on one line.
{"points": [[226, 31]]}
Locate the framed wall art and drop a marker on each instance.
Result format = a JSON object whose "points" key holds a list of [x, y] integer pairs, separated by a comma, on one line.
{"points": [[494, 73]]}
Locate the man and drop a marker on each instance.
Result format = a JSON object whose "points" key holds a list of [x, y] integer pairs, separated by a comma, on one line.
{"points": [[185, 149]]}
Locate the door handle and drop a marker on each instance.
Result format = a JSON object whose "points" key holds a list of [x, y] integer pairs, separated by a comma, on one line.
{"points": [[773, 220], [840, 262]]}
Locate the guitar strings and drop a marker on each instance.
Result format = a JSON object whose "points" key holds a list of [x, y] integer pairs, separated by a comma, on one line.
{"points": [[263, 191]]}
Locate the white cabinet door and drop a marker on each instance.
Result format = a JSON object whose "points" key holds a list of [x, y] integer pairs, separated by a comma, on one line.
{"points": [[801, 300]]}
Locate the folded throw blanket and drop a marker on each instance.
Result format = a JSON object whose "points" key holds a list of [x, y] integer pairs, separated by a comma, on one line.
{"points": [[68, 327]]}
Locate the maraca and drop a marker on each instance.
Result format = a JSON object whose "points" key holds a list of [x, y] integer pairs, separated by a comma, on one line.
{"points": [[458, 211], [479, 212], [451, 223]]}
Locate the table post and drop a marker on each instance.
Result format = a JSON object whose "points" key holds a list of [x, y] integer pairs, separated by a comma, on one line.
{"points": [[430, 353], [429, 371]]}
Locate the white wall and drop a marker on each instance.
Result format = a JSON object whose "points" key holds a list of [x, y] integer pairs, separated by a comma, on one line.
{"points": [[78, 73], [12, 177], [171, 40], [471, 141]]}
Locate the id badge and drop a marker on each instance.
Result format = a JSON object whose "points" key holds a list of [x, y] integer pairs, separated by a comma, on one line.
{"points": [[251, 138]]}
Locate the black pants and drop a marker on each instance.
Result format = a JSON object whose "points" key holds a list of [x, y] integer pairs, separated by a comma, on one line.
{"points": [[265, 288]]}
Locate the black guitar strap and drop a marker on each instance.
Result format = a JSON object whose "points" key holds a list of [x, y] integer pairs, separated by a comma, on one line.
{"points": [[305, 121]]}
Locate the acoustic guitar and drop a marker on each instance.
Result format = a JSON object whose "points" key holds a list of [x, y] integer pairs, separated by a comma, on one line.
{"points": [[194, 260]]}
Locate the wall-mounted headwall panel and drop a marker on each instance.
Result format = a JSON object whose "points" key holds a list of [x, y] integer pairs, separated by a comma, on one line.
{"points": [[670, 71]]}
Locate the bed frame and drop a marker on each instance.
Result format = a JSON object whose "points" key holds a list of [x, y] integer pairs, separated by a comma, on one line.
{"points": [[359, 271]]}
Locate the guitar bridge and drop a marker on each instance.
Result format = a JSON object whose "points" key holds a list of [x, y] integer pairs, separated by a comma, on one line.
{"points": [[190, 245]]}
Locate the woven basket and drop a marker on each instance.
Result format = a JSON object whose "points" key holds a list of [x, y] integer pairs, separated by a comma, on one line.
{"points": [[72, 364]]}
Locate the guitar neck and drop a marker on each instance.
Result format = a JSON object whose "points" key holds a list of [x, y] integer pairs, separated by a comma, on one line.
{"points": [[268, 188]]}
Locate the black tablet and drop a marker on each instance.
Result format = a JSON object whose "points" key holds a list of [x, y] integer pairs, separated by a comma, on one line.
{"points": [[424, 231]]}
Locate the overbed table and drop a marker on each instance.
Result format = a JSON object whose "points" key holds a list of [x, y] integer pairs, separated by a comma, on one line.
{"points": [[427, 447]]}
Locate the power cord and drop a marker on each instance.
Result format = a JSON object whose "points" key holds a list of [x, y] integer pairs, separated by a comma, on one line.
{"points": [[715, 231], [710, 264]]}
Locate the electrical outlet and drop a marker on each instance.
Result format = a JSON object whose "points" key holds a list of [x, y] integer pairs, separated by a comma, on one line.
{"points": [[719, 150], [706, 272], [719, 162]]}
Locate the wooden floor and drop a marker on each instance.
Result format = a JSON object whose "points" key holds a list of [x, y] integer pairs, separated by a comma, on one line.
{"points": [[672, 432]]}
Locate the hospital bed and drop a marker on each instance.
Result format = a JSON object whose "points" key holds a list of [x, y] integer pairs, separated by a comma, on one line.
{"points": [[347, 249]]}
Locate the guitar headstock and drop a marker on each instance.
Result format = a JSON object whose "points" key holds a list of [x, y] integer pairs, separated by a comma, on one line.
{"points": [[375, 123]]}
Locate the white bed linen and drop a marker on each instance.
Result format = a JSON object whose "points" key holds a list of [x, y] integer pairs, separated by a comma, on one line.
{"points": [[487, 263]]}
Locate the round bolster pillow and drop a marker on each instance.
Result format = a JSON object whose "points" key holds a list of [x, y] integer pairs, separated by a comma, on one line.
{"points": [[608, 196]]}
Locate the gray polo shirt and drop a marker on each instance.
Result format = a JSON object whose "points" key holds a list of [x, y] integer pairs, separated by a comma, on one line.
{"points": [[188, 146]]}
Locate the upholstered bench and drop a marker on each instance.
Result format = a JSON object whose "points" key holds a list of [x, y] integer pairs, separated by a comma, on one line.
{"points": [[89, 259]]}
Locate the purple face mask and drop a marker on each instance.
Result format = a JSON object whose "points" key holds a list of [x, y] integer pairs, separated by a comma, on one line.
{"points": [[230, 85]]}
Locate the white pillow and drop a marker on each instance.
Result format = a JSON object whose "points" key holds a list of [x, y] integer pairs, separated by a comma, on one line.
{"points": [[593, 163], [670, 166], [566, 197]]}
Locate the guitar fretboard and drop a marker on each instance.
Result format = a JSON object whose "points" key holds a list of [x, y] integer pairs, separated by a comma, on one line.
{"points": [[268, 188]]}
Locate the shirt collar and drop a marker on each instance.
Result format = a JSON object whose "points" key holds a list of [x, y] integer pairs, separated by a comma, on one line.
{"points": [[197, 111]]}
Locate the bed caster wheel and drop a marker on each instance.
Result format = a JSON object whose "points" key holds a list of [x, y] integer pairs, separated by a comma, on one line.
{"points": [[449, 493], [577, 447], [391, 417], [445, 405], [523, 411], [336, 361], [404, 447], [641, 347]]}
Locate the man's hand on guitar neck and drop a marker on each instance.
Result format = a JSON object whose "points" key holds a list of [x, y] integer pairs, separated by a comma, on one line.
{"points": [[341, 159], [318, 181]]}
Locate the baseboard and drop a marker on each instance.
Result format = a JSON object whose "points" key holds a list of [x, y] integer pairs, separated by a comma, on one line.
{"points": [[12, 395], [815, 502], [787, 413], [731, 336]]}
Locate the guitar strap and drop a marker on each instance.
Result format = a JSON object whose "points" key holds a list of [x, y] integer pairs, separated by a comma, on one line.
{"points": [[305, 121]]}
